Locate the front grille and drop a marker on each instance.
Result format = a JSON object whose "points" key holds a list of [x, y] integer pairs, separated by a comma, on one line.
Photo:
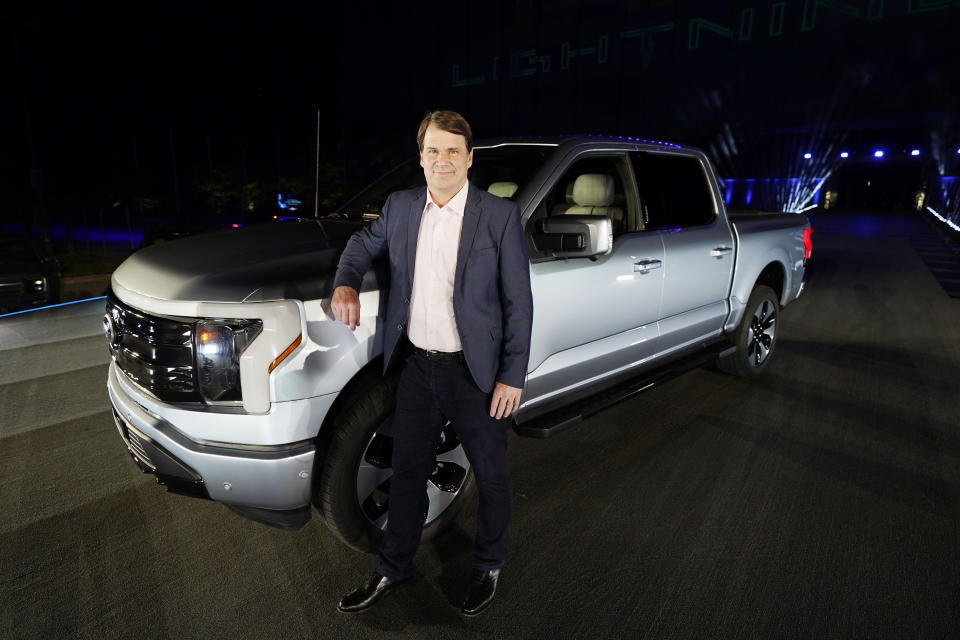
{"points": [[155, 352], [11, 288], [11, 295]]}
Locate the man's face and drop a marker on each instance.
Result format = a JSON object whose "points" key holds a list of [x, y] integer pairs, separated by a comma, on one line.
{"points": [[445, 162]]}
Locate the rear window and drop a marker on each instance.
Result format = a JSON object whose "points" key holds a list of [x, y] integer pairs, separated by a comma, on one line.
{"points": [[674, 191]]}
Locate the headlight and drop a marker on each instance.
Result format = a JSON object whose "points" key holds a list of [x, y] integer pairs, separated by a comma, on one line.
{"points": [[40, 284], [219, 344]]}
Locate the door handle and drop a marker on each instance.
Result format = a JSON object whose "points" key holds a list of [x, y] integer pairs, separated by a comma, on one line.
{"points": [[646, 265], [719, 251]]}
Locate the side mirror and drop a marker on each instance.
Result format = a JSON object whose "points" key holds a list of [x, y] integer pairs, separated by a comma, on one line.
{"points": [[575, 236]]}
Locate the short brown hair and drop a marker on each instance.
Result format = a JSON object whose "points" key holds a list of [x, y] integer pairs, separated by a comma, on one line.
{"points": [[450, 121]]}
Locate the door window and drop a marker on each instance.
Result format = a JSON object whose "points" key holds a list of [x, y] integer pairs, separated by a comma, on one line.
{"points": [[591, 186], [674, 191]]}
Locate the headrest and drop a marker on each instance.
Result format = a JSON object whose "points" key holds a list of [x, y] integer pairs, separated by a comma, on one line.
{"points": [[593, 190], [503, 189]]}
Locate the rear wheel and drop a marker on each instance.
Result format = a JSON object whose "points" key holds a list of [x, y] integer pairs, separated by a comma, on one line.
{"points": [[756, 336], [353, 490]]}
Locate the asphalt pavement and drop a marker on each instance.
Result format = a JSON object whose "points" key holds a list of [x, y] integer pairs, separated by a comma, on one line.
{"points": [[822, 501]]}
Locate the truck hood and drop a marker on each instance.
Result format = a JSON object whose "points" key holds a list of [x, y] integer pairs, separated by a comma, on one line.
{"points": [[295, 260]]}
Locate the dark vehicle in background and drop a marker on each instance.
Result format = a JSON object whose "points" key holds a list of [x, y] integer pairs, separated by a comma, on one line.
{"points": [[27, 277]]}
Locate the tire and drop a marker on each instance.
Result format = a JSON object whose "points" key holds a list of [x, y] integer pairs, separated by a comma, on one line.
{"points": [[352, 492], [756, 337]]}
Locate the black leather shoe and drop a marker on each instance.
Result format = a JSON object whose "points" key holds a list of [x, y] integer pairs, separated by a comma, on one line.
{"points": [[366, 596], [482, 588]]}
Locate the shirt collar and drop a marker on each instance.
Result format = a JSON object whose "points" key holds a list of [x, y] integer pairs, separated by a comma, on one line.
{"points": [[456, 205]]}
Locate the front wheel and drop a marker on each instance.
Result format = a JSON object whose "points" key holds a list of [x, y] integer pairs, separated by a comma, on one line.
{"points": [[353, 489], [756, 336]]}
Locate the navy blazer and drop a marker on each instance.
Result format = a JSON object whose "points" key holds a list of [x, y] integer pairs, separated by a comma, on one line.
{"points": [[492, 302]]}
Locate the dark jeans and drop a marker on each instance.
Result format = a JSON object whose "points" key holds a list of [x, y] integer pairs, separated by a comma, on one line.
{"points": [[430, 391]]}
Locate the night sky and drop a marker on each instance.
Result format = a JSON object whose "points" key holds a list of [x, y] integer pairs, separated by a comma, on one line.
{"points": [[145, 110]]}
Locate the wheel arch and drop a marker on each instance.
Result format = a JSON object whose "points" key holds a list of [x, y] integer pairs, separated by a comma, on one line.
{"points": [[773, 275], [369, 374]]}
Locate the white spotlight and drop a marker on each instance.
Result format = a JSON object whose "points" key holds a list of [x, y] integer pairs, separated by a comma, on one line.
{"points": [[915, 152], [844, 154], [807, 156], [878, 153]]}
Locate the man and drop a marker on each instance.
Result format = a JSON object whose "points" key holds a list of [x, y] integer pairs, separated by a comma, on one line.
{"points": [[460, 294]]}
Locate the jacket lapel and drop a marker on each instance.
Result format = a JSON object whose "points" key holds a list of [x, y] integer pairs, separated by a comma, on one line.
{"points": [[413, 232], [468, 230]]}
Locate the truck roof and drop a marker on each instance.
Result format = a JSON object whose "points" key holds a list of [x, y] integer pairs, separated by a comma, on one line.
{"points": [[576, 139]]}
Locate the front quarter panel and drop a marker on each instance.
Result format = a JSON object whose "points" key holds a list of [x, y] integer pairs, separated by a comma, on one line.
{"points": [[331, 354]]}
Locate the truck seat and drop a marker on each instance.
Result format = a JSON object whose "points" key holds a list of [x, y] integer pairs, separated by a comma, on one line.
{"points": [[561, 207], [502, 189], [593, 195]]}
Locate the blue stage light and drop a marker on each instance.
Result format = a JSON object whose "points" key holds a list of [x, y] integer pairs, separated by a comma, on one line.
{"points": [[915, 152], [844, 154], [807, 156], [878, 153], [50, 306]]}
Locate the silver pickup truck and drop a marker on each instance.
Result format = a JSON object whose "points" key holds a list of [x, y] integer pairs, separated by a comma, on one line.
{"points": [[231, 380]]}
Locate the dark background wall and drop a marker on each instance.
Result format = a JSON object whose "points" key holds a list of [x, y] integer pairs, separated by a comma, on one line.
{"points": [[200, 111]]}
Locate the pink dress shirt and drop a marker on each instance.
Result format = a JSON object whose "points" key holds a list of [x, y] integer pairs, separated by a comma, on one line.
{"points": [[432, 324]]}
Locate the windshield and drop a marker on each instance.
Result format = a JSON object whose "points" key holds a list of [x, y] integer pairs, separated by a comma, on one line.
{"points": [[502, 170]]}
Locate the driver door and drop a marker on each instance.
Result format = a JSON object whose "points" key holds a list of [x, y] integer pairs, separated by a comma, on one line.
{"points": [[593, 317]]}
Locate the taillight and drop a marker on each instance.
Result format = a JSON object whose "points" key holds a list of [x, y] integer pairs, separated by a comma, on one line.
{"points": [[807, 244]]}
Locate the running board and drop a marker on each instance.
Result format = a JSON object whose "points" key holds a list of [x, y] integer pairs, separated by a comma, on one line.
{"points": [[554, 422]]}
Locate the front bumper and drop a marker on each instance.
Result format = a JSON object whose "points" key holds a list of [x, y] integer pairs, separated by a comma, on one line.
{"points": [[250, 478]]}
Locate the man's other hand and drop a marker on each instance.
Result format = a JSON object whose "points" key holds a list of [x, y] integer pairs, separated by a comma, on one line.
{"points": [[505, 400], [345, 305]]}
